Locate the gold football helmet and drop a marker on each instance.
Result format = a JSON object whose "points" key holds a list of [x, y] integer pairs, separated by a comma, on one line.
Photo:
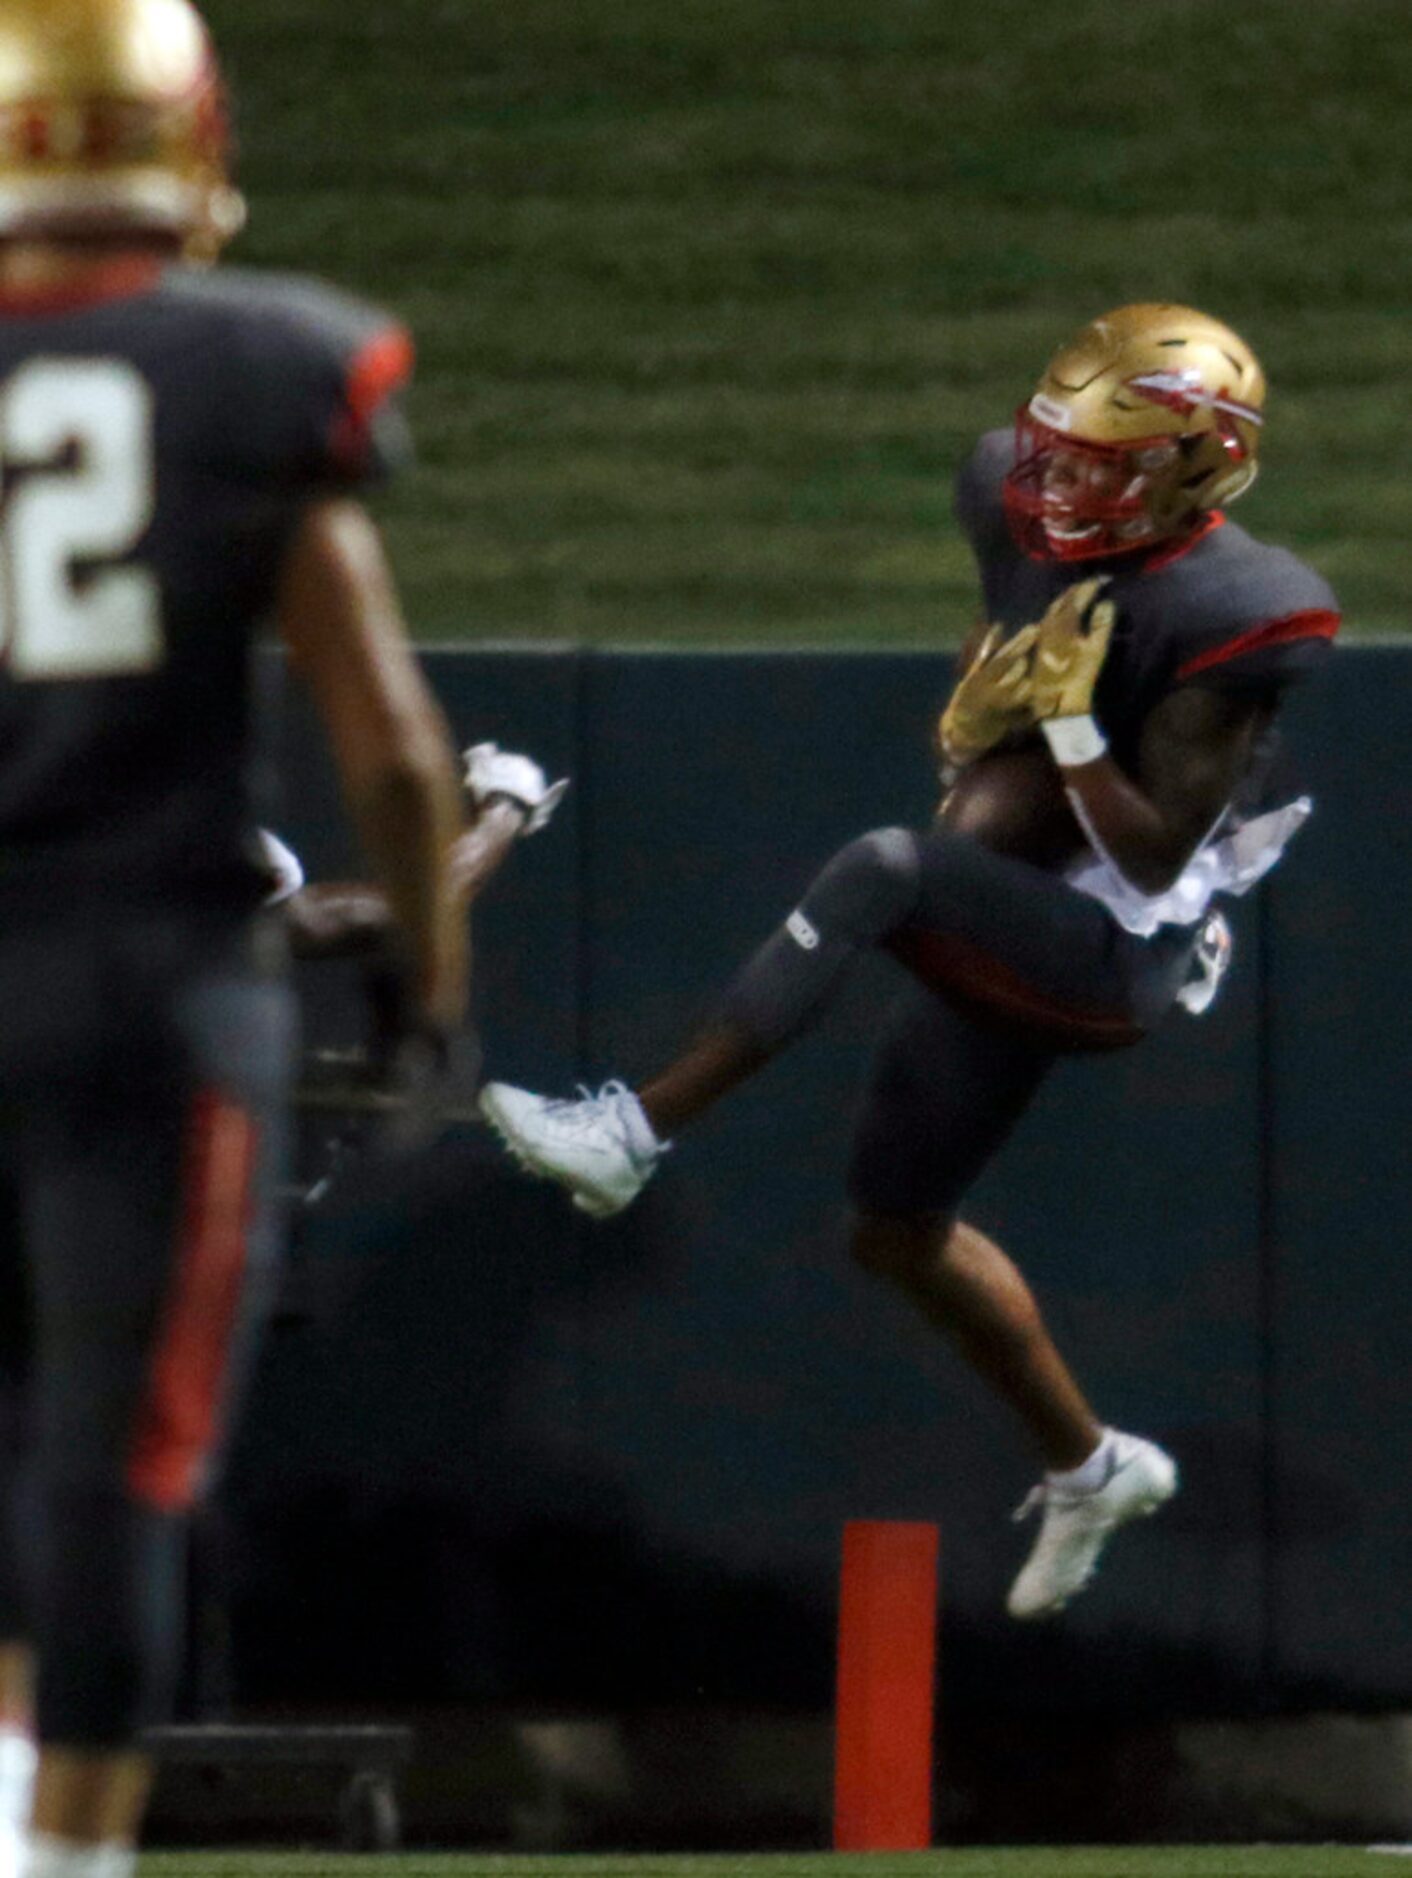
{"points": [[113, 120], [1144, 422]]}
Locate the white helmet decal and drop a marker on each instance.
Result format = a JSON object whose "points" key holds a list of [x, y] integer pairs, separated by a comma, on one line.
{"points": [[1183, 391], [1049, 411]]}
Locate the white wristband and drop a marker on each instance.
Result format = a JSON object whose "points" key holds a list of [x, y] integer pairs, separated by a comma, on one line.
{"points": [[1074, 740]]}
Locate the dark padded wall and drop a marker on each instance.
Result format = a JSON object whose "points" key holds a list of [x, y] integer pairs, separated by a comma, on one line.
{"points": [[608, 1464], [1341, 1182]]}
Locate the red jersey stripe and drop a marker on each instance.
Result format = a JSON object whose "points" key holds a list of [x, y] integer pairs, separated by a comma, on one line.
{"points": [[379, 370], [177, 1424], [1312, 623], [958, 966]]}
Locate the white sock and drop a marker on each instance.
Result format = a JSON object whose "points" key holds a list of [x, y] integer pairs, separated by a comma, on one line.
{"points": [[18, 1760], [642, 1136], [45, 1857], [1090, 1473]]}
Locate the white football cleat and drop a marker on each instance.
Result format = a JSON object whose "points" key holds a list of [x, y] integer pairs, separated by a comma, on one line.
{"points": [[1078, 1522], [602, 1148]]}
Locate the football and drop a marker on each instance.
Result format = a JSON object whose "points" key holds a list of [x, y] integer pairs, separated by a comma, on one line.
{"points": [[1014, 802]]}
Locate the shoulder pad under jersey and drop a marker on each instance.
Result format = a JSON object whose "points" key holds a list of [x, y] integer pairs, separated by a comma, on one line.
{"points": [[1246, 615], [314, 375]]}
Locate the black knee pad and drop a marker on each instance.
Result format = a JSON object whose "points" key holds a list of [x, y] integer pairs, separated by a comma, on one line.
{"points": [[108, 1610], [867, 888]]}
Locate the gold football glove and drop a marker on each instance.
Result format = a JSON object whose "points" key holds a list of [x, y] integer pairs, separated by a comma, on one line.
{"points": [[991, 699], [1072, 644]]}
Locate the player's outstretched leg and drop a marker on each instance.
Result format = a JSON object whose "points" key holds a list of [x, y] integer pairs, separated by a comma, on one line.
{"points": [[604, 1147], [1125, 1478]]}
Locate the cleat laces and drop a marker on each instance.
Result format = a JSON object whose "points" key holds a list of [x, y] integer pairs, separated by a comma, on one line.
{"points": [[1034, 1500]]}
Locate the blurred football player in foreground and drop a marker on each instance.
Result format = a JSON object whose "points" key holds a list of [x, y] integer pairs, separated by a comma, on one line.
{"points": [[1100, 748], [182, 451]]}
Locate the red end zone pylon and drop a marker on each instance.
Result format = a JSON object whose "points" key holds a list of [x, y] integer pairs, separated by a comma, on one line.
{"points": [[886, 1697]]}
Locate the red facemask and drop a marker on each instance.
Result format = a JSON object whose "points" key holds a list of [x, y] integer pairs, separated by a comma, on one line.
{"points": [[1068, 499]]}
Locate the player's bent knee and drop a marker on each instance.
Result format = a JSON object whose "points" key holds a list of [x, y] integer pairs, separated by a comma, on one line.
{"points": [[888, 856], [894, 850], [870, 884], [898, 1248]]}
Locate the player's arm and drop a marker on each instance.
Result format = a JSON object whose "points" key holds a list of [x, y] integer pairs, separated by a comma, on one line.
{"points": [[512, 797], [1195, 746], [340, 619], [345, 919], [337, 919], [481, 851]]}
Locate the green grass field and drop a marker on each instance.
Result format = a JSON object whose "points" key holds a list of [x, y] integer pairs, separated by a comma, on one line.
{"points": [[986, 1862], [712, 297]]}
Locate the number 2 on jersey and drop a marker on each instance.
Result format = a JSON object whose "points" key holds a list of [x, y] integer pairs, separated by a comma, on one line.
{"points": [[76, 436]]}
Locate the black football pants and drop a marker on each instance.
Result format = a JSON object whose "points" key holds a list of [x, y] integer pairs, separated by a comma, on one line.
{"points": [[144, 1060], [1013, 968]]}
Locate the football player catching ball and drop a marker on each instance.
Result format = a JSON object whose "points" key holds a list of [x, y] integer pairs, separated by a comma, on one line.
{"points": [[1102, 750]]}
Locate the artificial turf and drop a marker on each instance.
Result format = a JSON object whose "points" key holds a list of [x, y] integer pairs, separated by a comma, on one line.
{"points": [[1219, 1861]]}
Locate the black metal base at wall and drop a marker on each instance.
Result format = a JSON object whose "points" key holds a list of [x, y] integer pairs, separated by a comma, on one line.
{"points": [[366, 1758]]}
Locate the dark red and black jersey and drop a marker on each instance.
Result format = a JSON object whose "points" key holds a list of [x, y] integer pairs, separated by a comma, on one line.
{"points": [[1217, 609], [161, 433]]}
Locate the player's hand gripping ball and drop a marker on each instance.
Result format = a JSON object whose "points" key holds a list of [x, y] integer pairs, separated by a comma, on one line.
{"points": [[991, 699]]}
